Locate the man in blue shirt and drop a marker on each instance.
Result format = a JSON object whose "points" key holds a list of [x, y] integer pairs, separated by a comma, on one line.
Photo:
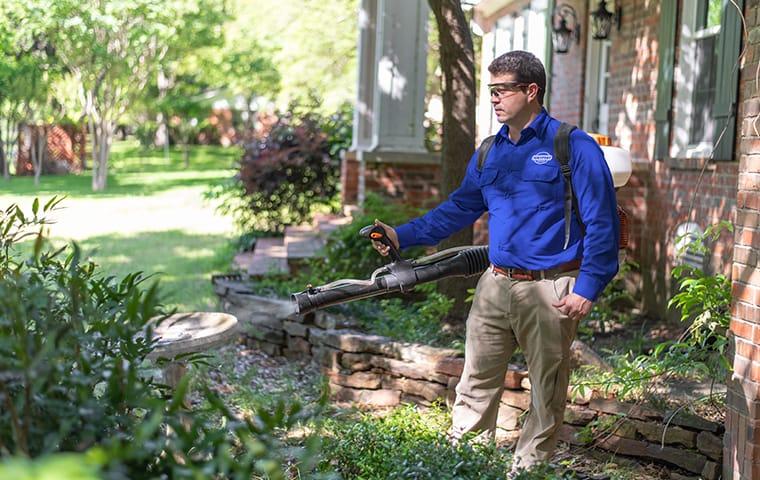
{"points": [[540, 283]]}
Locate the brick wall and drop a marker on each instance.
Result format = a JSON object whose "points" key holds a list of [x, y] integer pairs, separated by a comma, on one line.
{"points": [[412, 184], [567, 75], [661, 194], [742, 439]]}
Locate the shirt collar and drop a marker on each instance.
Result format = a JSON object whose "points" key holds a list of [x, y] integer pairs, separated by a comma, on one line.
{"points": [[537, 126]]}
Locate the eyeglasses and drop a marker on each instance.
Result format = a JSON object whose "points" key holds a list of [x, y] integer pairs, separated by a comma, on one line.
{"points": [[500, 90]]}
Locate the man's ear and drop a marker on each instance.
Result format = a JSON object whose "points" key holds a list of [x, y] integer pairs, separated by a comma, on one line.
{"points": [[533, 90]]}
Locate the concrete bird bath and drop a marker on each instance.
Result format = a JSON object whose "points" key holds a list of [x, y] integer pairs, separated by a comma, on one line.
{"points": [[185, 333]]}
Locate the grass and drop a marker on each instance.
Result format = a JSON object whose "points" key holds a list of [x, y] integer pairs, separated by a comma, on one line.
{"points": [[152, 217]]}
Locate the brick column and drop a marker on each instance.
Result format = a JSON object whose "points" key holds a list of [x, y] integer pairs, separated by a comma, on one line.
{"points": [[742, 438]]}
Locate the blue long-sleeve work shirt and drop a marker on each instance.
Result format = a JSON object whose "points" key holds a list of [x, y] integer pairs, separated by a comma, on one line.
{"points": [[522, 189]]}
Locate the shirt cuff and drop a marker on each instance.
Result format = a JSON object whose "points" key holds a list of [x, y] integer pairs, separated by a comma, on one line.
{"points": [[588, 287], [406, 235]]}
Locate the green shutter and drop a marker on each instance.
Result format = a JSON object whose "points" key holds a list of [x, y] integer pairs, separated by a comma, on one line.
{"points": [[726, 83], [662, 114]]}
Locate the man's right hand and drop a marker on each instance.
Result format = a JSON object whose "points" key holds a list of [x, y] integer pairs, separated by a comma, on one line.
{"points": [[392, 236]]}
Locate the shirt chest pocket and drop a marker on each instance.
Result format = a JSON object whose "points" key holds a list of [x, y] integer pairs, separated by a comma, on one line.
{"points": [[541, 182], [489, 186], [541, 173]]}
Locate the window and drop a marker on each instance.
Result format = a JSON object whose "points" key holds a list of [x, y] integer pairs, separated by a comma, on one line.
{"points": [[694, 121], [524, 28]]}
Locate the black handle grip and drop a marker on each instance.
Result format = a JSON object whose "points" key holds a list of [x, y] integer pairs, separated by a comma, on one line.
{"points": [[377, 233]]}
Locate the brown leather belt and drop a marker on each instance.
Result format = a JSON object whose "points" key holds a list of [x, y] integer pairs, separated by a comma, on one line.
{"points": [[520, 274]]}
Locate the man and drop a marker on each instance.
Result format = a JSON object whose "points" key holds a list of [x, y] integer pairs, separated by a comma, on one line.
{"points": [[540, 285]]}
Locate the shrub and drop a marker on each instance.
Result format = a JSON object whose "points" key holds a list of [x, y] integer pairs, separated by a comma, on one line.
{"points": [[612, 306], [288, 175], [412, 318], [74, 376], [407, 320]]}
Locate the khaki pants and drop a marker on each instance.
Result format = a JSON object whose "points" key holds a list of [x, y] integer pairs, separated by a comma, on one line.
{"points": [[507, 313]]}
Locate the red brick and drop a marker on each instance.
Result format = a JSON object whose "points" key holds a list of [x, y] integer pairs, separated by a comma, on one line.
{"points": [[749, 181], [749, 200], [747, 236], [746, 369], [742, 329], [745, 274], [747, 312], [748, 350], [745, 293]]}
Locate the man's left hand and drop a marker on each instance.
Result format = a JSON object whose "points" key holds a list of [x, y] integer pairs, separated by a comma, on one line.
{"points": [[574, 306]]}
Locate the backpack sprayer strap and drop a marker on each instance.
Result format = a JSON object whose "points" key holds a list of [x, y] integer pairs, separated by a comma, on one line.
{"points": [[562, 153]]}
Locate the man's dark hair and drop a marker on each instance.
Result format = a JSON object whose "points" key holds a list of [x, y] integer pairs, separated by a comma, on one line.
{"points": [[526, 68]]}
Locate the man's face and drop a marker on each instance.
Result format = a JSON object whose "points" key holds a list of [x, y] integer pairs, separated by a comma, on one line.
{"points": [[510, 97]]}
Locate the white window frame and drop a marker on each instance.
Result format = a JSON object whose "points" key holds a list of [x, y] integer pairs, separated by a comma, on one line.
{"points": [[527, 20], [685, 82]]}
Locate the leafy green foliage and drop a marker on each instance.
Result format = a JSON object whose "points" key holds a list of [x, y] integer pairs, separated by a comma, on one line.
{"points": [[416, 319], [288, 175], [75, 376], [407, 443], [309, 58], [700, 352]]}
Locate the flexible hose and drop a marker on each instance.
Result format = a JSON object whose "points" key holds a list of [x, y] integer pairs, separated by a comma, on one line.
{"points": [[399, 276]]}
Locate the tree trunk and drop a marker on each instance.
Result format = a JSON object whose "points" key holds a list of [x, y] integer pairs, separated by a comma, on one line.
{"points": [[250, 121], [10, 140], [3, 160], [39, 149], [458, 142], [102, 136], [186, 154]]}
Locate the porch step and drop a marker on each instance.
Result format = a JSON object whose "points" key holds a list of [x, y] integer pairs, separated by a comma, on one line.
{"points": [[269, 257], [302, 241]]}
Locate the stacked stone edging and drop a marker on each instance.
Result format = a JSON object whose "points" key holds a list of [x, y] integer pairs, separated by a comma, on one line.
{"points": [[378, 371]]}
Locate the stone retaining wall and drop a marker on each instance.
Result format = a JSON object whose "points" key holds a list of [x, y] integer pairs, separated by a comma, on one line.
{"points": [[375, 370]]}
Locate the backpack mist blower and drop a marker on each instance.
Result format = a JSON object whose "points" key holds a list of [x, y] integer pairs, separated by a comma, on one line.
{"points": [[402, 275], [398, 276]]}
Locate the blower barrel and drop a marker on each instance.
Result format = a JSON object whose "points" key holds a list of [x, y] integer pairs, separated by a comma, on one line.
{"points": [[399, 276]]}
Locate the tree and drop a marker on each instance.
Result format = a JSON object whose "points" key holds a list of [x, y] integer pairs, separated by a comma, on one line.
{"points": [[28, 66], [185, 110], [114, 48], [458, 66], [312, 58], [251, 73]]}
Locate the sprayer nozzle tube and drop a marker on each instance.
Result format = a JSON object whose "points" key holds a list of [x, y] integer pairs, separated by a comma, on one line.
{"points": [[465, 263]]}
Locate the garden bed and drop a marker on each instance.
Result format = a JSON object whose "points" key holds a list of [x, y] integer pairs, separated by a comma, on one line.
{"points": [[378, 371]]}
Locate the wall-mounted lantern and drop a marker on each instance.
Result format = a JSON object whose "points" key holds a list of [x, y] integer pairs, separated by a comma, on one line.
{"points": [[602, 19], [565, 27]]}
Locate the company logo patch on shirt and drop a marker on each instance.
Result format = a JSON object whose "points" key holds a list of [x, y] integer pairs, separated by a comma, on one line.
{"points": [[541, 158]]}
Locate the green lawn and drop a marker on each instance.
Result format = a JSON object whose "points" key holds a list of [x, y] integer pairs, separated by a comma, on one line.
{"points": [[151, 218]]}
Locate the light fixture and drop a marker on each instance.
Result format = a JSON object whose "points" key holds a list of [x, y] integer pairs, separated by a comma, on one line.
{"points": [[565, 26], [601, 20]]}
